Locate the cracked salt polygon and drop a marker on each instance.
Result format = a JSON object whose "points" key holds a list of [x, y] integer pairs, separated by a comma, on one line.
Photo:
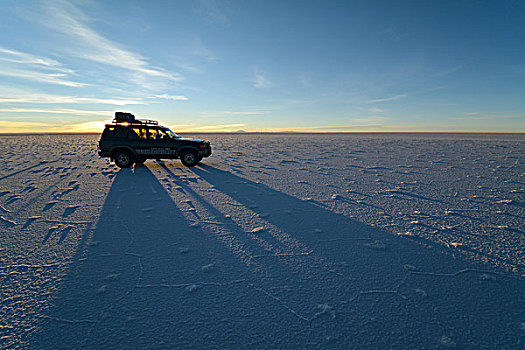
{"points": [[257, 230], [207, 268], [409, 267], [505, 201], [191, 288], [112, 276], [326, 309], [7, 221], [406, 233]]}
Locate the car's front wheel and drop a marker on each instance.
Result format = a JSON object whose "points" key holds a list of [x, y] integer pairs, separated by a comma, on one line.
{"points": [[123, 158], [189, 158]]}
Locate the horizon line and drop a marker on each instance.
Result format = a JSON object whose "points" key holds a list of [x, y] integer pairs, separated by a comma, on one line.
{"points": [[278, 132]]}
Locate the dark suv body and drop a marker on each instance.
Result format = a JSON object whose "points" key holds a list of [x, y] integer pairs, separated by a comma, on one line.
{"points": [[134, 141]]}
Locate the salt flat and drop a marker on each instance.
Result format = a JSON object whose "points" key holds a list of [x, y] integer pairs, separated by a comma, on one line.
{"points": [[371, 241]]}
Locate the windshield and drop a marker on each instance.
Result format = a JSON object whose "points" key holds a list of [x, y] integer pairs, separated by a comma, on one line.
{"points": [[170, 133]]}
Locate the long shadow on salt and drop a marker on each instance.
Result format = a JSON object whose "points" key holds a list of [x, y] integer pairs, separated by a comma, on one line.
{"points": [[151, 279], [408, 294]]}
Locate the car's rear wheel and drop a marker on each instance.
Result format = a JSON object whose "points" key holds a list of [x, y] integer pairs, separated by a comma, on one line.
{"points": [[189, 158], [123, 158]]}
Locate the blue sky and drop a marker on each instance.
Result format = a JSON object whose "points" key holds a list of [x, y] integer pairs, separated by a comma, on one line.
{"points": [[264, 65]]}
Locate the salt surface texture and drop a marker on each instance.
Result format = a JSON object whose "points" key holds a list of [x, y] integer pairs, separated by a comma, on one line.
{"points": [[277, 241]]}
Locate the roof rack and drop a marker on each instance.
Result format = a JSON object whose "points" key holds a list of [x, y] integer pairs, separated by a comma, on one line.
{"points": [[128, 118], [137, 122]]}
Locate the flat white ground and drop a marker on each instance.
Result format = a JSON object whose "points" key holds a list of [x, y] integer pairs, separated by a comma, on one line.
{"points": [[275, 241]]}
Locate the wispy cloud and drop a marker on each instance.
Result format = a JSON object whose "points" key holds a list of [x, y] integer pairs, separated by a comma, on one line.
{"points": [[492, 116], [184, 65], [232, 113], [27, 96], [219, 127], [172, 97], [67, 19], [91, 126], [9, 126], [368, 120], [56, 99], [25, 58], [56, 111], [387, 99], [260, 81], [26, 66], [377, 110], [331, 128], [208, 128], [242, 113], [41, 77]]}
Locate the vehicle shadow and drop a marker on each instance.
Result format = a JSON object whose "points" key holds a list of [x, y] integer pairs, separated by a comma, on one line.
{"points": [[149, 278], [407, 293]]}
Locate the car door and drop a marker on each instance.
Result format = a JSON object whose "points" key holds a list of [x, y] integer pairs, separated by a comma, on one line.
{"points": [[161, 147], [138, 138]]}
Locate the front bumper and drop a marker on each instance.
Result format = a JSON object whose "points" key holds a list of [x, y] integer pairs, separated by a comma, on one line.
{"points": [[205, 152]]}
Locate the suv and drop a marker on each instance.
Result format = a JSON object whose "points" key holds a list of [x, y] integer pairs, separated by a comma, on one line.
{"points": [[128, 140]]}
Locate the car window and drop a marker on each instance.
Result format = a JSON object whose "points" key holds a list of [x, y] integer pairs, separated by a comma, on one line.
{"points": [[158, 134], [153, 134], [170, 134], [162, 134], [115, 132], [137, 133]]}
